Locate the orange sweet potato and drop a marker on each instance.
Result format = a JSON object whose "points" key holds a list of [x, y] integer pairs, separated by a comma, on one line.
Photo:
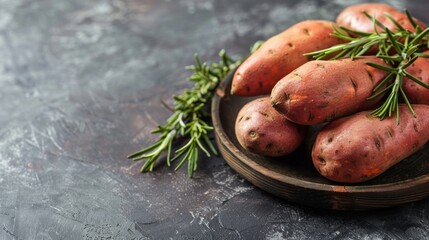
{"points": [[321, 91], [359, 147], [353, 18], [415, 92], [262, 130], [280, 55]]}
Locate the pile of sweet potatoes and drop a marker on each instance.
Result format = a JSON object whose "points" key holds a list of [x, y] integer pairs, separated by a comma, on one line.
{"points": [[352, 146]]}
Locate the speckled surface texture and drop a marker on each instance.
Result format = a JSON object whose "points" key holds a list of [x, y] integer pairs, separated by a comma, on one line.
{"points": [[80, 88]]}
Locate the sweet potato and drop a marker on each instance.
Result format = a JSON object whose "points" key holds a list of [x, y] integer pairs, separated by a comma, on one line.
{"points": [[353, 18], [359, 147], [415, 92], [281, 54], [262, 130], [320, 91]]}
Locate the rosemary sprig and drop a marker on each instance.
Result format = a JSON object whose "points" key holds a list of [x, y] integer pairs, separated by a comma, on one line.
{"points": [[399, 49], [188, 118]]}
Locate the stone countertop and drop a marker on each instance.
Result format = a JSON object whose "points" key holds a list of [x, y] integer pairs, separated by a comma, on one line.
{"points": [[80, 88]]}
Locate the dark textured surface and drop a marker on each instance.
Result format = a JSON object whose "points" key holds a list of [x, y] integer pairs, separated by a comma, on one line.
{"points": [[80, 88]]}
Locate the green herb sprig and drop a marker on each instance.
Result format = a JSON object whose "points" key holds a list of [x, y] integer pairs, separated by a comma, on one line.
{"points": [[399, 49], [188, 118]]}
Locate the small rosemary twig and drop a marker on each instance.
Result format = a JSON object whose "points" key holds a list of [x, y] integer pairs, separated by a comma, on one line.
{"points": [[187, 120], [399, 49]]}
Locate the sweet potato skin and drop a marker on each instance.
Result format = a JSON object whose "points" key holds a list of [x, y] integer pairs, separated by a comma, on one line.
{"points": [[353, 17], [281, 54], [416, 93], [262, 130], [359, 147], [320, 91]]}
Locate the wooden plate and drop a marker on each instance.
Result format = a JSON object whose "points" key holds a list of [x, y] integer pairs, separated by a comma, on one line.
{"points": [[294, 178]]}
